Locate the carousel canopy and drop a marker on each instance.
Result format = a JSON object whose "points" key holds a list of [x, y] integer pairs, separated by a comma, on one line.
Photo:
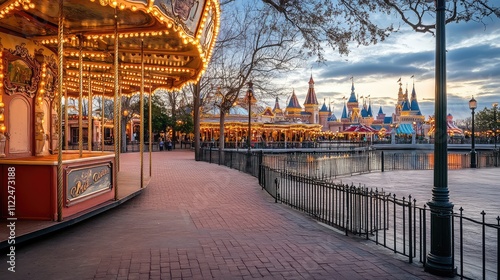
{"points": [[174, 38], [359, 128], [405, 128]]}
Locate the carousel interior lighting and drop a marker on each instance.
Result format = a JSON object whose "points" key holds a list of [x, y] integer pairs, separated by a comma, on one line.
{"points": [[160, 65]]}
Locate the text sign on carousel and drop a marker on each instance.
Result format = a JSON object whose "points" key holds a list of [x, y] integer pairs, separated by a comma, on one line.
{"points": [[84, 182]]}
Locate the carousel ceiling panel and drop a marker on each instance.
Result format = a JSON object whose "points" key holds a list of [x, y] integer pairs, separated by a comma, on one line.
{"points": [[176, 36]]}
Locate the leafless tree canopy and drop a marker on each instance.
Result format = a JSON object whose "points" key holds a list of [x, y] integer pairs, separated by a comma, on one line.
{"points": [[337, 23], [253, 45]]}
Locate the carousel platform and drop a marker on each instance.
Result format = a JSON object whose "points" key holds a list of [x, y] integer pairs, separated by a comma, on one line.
{"points": [[129, 186]]}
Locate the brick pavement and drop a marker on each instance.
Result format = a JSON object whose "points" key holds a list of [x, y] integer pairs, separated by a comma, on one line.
{"points": [[203, 221]]}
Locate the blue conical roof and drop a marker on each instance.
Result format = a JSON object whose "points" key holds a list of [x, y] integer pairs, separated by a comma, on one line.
{"points": [[344, 112], [294, 102], [414, 103], [370, 113], [324, 108], [352, 98], [332, 118], [380, 112]]}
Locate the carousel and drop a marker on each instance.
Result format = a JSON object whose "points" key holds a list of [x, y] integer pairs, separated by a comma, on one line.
{"points": [[88, 50]]}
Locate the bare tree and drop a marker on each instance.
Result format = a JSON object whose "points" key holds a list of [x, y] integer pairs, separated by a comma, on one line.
{"points": [[338, 23], [255, 47]]}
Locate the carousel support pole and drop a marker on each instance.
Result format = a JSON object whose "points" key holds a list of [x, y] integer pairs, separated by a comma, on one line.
{"points": [[150, 125], [102, 114], [119, 136], [90, 118], [60, 46], [141, 108], [66, 120], [80, 95], [116, 113]]}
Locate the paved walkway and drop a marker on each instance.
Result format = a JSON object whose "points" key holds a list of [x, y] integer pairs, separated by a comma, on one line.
{"points": [[203, 221]]}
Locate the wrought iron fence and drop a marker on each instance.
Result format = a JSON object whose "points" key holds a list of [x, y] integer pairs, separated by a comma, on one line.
{"points": [[394, 223], [300, 179], [325, 164]]}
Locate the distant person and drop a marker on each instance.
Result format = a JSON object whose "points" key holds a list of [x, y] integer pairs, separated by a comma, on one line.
{"points": [[161, 145], [169, 145]]}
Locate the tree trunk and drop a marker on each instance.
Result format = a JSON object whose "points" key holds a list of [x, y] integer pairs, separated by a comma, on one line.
{"points": [[196, 120], [123, 134], [221, 136], [174, 116]]}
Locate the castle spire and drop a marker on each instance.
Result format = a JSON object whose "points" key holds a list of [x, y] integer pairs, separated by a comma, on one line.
{"points": [[352, 98], [413, 102], [294, 102], [276, 105], [311, 94]]}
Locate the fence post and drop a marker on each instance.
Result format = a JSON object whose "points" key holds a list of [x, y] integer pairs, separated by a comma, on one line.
{"points": [[498, 247], [425, 236], [276, 187], [382, 160], [260, 166], [346, 205], [410, 248], [484, 245], [461, 243], [210, 154]]}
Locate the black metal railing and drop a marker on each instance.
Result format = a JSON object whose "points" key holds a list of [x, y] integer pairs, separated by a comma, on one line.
{"points": [[394, 223], [301, 180], [326, 164]]}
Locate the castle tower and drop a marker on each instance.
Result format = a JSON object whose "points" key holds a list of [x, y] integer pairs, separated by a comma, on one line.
{"points": [[415, 108], [381, 114], [399, 104], [311, 103], [293, 109], [353, 106], [323, 116], [277, 110]]}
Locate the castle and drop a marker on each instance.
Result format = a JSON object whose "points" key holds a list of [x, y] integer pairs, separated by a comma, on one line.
{"points": [[407, 114]]}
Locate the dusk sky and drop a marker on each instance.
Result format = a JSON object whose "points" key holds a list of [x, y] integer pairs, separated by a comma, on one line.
{"points": [[473, 68]]}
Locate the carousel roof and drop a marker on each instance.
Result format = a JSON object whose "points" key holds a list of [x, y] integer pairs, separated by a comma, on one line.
{"points": [[171, 40], [359, 128]]}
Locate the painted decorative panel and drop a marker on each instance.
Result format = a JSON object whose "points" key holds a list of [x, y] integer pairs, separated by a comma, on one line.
{"points": [[19, 125]]}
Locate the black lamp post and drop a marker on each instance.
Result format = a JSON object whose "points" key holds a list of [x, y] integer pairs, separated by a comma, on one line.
{"points": [[472, 107], [440, 258], [495, 152], [495, 105], [250, 96]]}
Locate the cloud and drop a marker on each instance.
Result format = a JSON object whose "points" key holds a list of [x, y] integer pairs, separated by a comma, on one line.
{"points": [[473, 68]]}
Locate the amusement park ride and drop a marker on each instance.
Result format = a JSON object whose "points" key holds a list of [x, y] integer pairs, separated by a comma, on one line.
{"points": [[85, 49]]}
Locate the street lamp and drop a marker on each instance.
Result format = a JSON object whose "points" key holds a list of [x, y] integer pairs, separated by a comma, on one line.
{"points": [[495, 105], [440, 258], [472, 107], [495, 152], [249, 96]]}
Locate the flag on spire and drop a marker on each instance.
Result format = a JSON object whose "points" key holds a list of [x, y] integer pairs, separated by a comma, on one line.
{"points": [[399, 80], [412, 76]]}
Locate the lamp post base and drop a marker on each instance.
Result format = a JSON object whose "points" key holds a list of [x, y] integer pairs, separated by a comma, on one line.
{"points": [[440, 258], [473, 156], [441, 266]]}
